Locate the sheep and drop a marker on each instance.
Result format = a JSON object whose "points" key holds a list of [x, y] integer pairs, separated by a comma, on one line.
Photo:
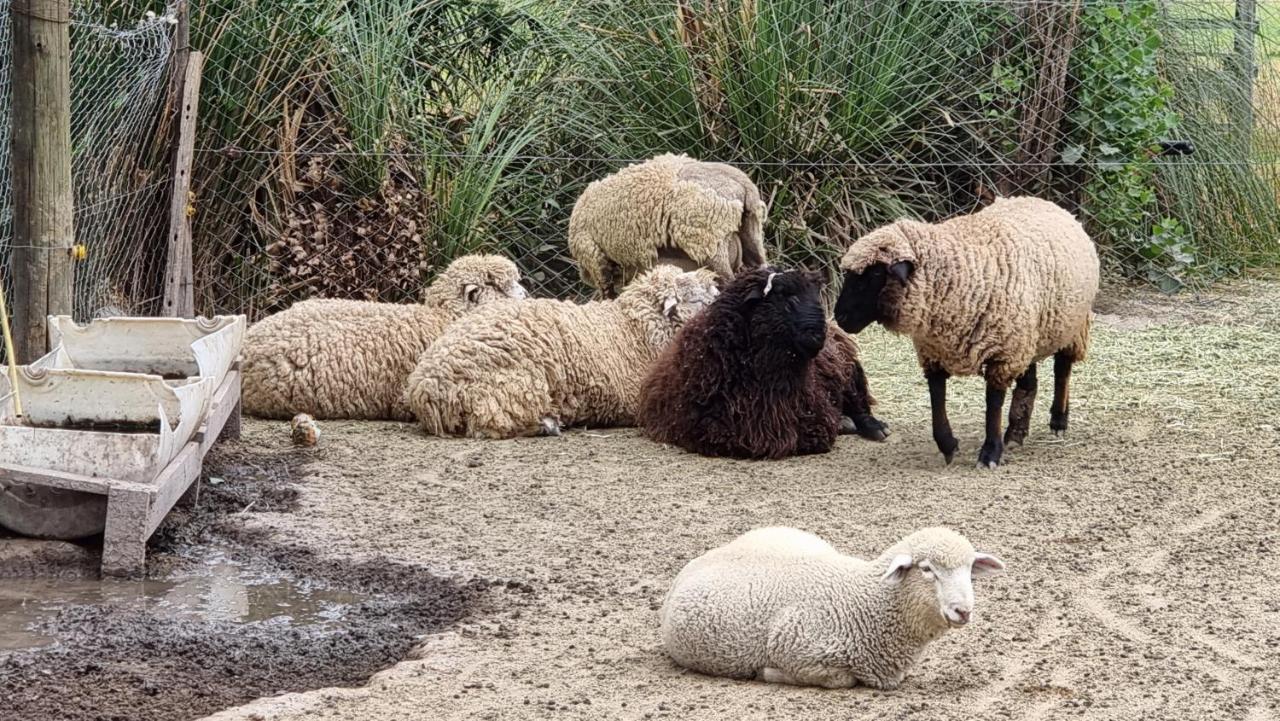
{"points": [[349, 359], [994, 293], [671, 209], [781, 605], [761, 374], [535, 367]]}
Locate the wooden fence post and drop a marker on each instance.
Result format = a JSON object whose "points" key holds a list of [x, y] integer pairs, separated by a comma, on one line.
{"points": [[179, 297], [1246, 67], [43, 234]]}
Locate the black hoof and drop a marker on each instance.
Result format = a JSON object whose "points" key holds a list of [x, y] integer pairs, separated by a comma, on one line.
{"points": [[1014, 436], [989, 456], [948, 446], [549, 427], [1058, 424], [870, 428]]}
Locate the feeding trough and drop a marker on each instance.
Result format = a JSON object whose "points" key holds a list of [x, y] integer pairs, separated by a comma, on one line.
{"points": [[116, 421]]}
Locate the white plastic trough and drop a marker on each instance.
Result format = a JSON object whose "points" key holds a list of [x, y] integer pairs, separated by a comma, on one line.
{"points": [[118, 418]]}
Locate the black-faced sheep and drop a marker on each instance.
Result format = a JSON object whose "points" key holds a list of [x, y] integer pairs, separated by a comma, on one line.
{"points": [[759, 374], [349, 359], [670, 209], [529, 368], [993, 293]]}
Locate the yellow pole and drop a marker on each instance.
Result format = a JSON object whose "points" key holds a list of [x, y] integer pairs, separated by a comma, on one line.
{"points": [[9, 354]]}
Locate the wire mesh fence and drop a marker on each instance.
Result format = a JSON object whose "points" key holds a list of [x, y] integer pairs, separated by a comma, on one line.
{"points": [[353, 149], [119, 172]]}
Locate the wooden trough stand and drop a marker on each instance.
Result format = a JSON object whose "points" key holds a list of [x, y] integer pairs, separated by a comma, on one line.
{"points": [[118, 418]]}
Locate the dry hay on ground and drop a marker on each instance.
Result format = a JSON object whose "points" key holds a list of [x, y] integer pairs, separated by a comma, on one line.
{"points": [[1143, 555]]}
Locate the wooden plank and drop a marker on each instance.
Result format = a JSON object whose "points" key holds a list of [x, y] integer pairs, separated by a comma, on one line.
{"points": [[172, 482], [55, 479], [40, 163], [179, 299]]}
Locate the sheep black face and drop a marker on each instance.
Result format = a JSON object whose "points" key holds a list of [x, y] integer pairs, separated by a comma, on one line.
{"points": [[861, 300], [786, 312]]}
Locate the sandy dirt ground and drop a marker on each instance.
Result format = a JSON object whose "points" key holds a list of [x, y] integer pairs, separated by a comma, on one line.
{"points": [[1143, 551]]}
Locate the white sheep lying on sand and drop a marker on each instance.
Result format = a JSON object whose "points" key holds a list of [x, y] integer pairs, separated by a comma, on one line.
{"points": [[348, 358], [517, 369], [782, 605], [668, 209]]}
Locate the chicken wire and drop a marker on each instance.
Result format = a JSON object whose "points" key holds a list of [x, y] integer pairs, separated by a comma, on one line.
{"points": [[354, 149], [119, 170]]}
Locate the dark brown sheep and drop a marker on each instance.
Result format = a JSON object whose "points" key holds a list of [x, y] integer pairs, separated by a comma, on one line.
{"points": [[760, 373]]}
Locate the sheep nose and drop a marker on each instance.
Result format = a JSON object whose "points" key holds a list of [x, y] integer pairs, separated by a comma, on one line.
{"points": [[960, 616]]}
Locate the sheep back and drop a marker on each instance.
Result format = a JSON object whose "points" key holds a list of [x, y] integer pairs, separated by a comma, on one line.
{"points": [[709, 212], [498, 372], [334, 358]]}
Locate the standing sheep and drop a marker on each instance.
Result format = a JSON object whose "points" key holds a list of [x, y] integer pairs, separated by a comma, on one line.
{"points": [[671, 209], [526, 368], [760, 374], [993, 293], [783, 606], [349, 359]]}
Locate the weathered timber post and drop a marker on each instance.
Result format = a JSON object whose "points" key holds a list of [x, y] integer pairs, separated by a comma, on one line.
{"points": [[184, 89], [43, 234]]}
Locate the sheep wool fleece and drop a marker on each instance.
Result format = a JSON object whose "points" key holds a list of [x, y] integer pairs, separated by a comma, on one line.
{"points": [[335, 359], [783, 600], [711, 212], [991, 292], [505, 371]]}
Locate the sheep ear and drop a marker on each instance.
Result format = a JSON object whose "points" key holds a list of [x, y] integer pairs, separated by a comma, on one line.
{"points": [[669, 306], [985, 564], [470, 292], [898, 568], [902, 270]]}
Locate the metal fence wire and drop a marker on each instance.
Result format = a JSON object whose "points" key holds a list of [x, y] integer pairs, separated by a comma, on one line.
{"points": [[353, 149], [119, 171]]}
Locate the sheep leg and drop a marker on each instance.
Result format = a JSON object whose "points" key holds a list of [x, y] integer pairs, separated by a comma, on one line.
{"points": [[857, 408], [823, 676], [1061, 408], [1024, 400], [993, 446], [942, 434]]}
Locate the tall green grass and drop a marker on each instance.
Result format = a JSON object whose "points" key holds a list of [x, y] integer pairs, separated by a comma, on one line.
{"points": [[499, 112], [826, 104]]}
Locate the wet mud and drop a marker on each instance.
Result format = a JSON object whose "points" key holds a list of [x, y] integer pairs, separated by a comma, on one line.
{"points": [[224, 616]]}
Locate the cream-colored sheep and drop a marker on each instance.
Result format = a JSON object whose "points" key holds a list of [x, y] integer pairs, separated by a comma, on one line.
{"points": [[782, 605], [349, 359], [519, 369], [992, 293], [671, 209]]}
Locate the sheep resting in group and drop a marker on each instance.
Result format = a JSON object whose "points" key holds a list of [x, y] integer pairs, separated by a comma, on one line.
{"points": [[759, 374], [783, 606], [534, 367], [992, 293], [670, 209], [336, 359]]}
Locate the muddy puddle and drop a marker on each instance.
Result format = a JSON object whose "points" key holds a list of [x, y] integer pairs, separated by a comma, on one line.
{"points": [[226, 615], [218, 590]]}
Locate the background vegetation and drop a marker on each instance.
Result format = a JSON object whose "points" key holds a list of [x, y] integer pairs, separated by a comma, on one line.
{"points": [[352, 148]]}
